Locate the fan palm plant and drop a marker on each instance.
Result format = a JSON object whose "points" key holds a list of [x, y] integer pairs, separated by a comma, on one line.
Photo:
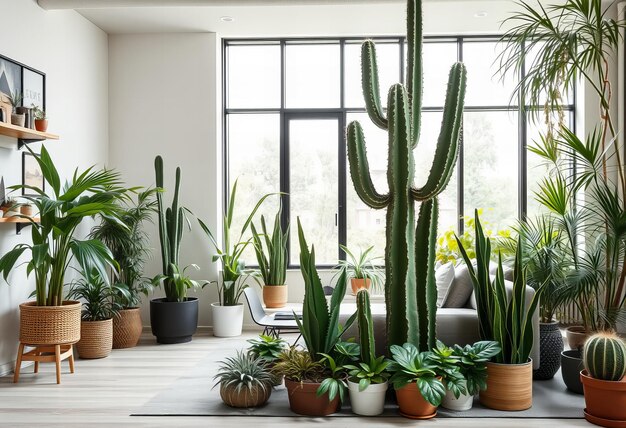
{"points": [[54, 244]]}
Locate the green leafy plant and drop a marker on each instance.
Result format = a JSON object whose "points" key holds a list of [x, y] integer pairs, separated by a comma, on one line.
{"points": [[16, 99], [272, 261], [409, 365], [410, 289], [129, 244], [299, 366], [267, 348], [507, 321], [361, 267], [472, 360], [98, 296], [229, 255], [89, 193], [243, 372], [367, 373], [39, 113], [447, 366]]}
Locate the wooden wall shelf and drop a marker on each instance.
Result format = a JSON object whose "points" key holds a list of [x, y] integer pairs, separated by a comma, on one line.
{"points": [[20, 223], [24, 135]]}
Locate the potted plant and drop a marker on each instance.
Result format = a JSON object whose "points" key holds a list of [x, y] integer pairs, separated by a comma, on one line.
{"points": [[26, 209], [41, 120], [49, 319], [361, 270], [96, 326], [367, 381], [604, 357], [244, 381], [10, 207], [272, 261], [17, 118], [472, 363], [506, 320], [268, 349], [227, 312], [129, 245], [174, 319]]}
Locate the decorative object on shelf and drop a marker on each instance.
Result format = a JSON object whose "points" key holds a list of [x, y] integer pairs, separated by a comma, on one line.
{"points": [[3, 192], [244, 381], [28, 119], [26, 209], [41, 120], [410, 288], [9, 207], [5, 108], [361, 270], [18, 117], [32, 175]]}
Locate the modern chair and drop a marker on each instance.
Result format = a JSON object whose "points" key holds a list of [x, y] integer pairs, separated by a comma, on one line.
{"points": [[271, 326]]}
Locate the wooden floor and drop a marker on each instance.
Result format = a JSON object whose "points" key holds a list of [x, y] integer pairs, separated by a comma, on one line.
{"points": [[105, 392]]}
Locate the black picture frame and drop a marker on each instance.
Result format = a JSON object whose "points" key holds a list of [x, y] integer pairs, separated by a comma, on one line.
{"points": [[14, 75], [31, 174]]}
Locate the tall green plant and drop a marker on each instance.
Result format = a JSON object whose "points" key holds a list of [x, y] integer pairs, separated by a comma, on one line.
{"points": [[98, 296], [508, 321], [273, 260], [410, 289], [366, 327], [88, 194]]}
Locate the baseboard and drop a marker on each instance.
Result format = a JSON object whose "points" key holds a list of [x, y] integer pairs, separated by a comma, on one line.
{"points": [[9, 367]]}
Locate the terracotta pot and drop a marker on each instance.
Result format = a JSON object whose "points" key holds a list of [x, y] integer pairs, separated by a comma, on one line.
{"points": [[412, 404], [358, 283], [303, 399], [50, 325], [604, 399], [96, 339], [245, 398], [509, 386], [41, 125], [26, 210], [275, 296], [127, 328], [576, 336]]}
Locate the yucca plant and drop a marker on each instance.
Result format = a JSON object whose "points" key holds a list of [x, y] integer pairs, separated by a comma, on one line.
{"points": [[89, 193], [272, 258], [98, 297]]}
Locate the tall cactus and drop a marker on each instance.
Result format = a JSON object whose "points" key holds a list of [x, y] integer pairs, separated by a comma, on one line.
{"points": [[170, 232], [410, 289], [366, 327]]}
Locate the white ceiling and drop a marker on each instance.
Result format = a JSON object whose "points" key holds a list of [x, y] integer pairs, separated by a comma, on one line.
{"points": [[256, 18]]}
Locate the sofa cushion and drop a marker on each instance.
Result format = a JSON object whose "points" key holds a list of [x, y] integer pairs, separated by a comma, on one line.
{"points": [[444, 275], [460, 290]]}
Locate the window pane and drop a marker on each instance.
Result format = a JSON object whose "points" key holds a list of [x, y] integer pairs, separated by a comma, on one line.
{"points": [[484, 87], [312, 75], [366, 226], [490, 166], [388, 60], [253, 76], [438, 58], [314, 173], [254, 160]]}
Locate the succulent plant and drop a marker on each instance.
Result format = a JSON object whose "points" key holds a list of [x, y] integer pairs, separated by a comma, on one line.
{"points": [[410, 289], [243, 371], [604, 357], [266, 347]]}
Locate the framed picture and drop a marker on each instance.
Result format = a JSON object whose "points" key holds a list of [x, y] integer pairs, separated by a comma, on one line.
{"points": [[16, 77], [33, 84], [31, 174], [10, 76]]}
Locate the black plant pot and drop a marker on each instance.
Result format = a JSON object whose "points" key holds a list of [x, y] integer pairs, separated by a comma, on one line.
{"points": [[571, 366], [174, 322], [550, 348]]}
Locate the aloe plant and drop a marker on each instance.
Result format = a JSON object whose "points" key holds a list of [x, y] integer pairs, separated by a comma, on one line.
{"points": [[410, 289], [273, 262]]}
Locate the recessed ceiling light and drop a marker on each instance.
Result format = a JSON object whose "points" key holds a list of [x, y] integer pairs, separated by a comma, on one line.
{"points": [[227, 18], [480, 14]]}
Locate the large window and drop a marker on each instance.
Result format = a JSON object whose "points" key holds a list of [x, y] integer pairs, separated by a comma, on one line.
{"points": [[286, 105]]}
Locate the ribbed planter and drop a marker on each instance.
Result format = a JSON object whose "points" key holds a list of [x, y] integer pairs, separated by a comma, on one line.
{"points": [[571, 366], [605, 401], [303, 399], [245, 398], [127, 328], [509, 386], [275, 296], [96, 339], [370, 401], [357, 283], [412, 404], [50, 325], [174, 322], [550, 348]]}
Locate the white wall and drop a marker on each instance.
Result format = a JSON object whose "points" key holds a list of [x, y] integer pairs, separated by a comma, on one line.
{"points": [[73, 54]]}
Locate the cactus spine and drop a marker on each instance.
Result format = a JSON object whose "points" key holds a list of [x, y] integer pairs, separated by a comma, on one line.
{"points": [[410, 290], [170, 232], [604, 357], [366, 327]]}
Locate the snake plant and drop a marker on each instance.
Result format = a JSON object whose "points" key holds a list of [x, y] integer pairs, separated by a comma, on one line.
{"points": [[273, 260]]}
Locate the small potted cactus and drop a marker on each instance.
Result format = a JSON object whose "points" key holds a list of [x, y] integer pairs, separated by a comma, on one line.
{"points": [[604, 358]]}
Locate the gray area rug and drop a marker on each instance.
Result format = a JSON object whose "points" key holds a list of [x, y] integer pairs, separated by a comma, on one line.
{"points": [[192, 395]]}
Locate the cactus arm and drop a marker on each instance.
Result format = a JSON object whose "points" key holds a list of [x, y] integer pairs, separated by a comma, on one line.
{"points": [[158, 168], [176, 222], [366, 327], [425, 245], [448, 142], [414, 69], [369, 82], [360, 170]]}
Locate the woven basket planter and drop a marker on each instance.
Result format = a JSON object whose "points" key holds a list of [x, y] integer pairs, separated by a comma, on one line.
{"points": [[50, 325], [96, 339], [127, 328]]}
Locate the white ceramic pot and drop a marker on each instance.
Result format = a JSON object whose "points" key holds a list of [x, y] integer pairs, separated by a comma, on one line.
{"points": [[464, 402], [370, 401], [227, 320]]}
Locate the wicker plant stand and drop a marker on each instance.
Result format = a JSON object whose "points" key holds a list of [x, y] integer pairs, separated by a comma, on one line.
{"points": [[44, 354]]}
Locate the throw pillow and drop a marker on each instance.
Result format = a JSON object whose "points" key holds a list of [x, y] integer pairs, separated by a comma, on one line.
{"points": [[460, 290], [444, 275]]}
